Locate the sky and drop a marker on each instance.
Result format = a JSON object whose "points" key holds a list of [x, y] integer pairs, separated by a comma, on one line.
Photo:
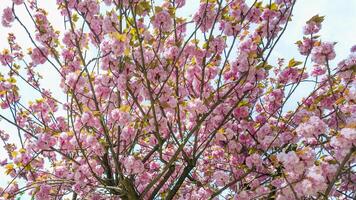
{"points": [[339, 26]]}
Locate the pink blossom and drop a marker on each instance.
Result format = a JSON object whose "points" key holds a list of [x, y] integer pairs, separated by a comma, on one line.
{"points": [[253, 160], [71, 79], [315, 174], [318, 70], [6, 58], [323, 53], [108, 2], [180, 3], [128, 134], [162, 21], [39, 56], [86, 117], [217, 45], [313, 128], [349, 134], [44, 192], [7, 17], [220, 178], [353, 49], [132, 165], [346, 67], [243, 195], [289, 158], [205, 16], [305, 46], [311, 28], [18, 2], [120, 116]]}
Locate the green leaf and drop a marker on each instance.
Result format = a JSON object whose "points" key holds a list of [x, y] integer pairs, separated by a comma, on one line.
{"points": [[75, 17], [298, 42], [146, 5], [158, 9], [252, 151], [258, 4], [333, 162], [273, 7], [264, 65], [172, 11], [291, 147], [243, 103], [293, 63], [317, 19], [268, 67], [205, 45], [353, 68], [20, 195], [143, 6]]}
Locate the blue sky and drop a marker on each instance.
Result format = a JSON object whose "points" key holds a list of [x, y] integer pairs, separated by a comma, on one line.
{"points": [[339, 26]]}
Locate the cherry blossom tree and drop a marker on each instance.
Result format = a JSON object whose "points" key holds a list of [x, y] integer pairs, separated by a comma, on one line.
{"points": [[160, 106]]}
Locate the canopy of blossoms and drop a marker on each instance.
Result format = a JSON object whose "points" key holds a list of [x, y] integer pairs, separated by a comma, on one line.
{"points": [[160, 106]]}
